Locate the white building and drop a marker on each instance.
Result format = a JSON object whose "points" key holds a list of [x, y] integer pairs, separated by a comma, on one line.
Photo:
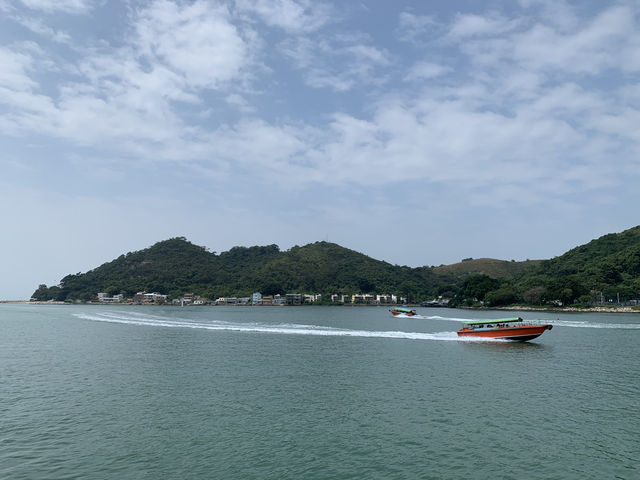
{"points": [[105, 298], [386, 298]]}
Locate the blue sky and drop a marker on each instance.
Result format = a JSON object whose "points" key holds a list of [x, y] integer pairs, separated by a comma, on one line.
{"points": [[416, 132]]}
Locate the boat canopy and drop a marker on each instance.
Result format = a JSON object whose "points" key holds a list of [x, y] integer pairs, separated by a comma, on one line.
{"points": [[499, 320], [402, 309]]}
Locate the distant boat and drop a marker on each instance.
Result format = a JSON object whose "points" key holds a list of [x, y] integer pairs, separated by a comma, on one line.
{"points": [[506, 328], [403, 311]]}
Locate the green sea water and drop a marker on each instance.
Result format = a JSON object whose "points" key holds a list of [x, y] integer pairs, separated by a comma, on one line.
{"points": [[118, 392]]}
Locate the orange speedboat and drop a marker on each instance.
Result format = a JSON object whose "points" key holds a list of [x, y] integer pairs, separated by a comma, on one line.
{"points": [[403, 311], [506, 328]]}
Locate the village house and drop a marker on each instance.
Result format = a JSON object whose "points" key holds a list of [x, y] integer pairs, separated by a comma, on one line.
{"points": [[144, 298], [105, 298]]}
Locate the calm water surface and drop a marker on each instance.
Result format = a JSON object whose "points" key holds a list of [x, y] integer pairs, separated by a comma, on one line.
{"points": [[101, 392]]}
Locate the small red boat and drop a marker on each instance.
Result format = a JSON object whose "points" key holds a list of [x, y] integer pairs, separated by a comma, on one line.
{"points": [[506, 328], [408, 312]]}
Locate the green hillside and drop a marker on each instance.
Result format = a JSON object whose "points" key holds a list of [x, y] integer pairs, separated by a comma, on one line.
{"points": [[486, 266], [602, 270], [176, 266], [605, 268]]}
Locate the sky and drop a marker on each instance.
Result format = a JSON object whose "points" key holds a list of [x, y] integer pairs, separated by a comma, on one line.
{"points": [[415, 132]]}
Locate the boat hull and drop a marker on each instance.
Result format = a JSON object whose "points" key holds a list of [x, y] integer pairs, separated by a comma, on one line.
{"points": [[518, 334]]}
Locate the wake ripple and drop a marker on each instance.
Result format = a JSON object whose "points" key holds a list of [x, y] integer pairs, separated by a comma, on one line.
{"points": [[283, 329], [577, 324], [438, 317], [558, 322]]}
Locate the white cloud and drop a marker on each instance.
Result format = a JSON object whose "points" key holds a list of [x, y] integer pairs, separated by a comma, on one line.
{"points": [[427, 70], [240, 103], [589, 50], [14, 74], [127, 96], [609, 40], [197, 41], [295, 16], [67, 6], [337, 62], [412, 27], [469, 25], [275, 150], [557, 13], [38, 26], [544, 147]]}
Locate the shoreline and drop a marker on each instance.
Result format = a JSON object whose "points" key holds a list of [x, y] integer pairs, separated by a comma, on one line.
{"points": [[525, 308], [567, 309]]}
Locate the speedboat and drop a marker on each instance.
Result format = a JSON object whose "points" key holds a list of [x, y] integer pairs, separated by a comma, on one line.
{"points": [[408, 312], [506, 328]]}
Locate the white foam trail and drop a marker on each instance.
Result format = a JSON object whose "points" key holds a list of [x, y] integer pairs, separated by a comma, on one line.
{"points": [[452, 319], [284, 329], [577, 324], [559, 323], [433, 317]]}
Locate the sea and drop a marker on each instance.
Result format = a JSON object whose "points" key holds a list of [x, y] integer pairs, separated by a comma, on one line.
{"points": [[142, 392]]}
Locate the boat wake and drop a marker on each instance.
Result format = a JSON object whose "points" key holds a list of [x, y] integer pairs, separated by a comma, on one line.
{"points": [[557, 323], [129, 318], [438, 317], [578, 324]]}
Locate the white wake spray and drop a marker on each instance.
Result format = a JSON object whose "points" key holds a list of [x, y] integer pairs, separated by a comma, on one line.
{"points": [[557, 322], [129, 318]]}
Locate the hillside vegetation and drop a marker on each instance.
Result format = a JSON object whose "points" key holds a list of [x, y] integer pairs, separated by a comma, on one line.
{"points": [[606, 268], [486, 266], [601, 270], [176, 266]]}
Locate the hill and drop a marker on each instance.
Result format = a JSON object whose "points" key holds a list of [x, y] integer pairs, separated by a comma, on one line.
{"points": [[486, 266], [604, 269], [177, 266]]}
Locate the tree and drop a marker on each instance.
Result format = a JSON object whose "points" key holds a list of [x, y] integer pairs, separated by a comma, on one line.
{"points": [[534, 295], [505, 295], [567, 296], [41, 294], [408, 290], [477, 286]]}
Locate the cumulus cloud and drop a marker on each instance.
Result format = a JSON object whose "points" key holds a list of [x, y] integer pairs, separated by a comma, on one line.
{"points": [[197, 41]]}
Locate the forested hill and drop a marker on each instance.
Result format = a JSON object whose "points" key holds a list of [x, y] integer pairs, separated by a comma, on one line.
{"points": [[177, 266], [606, 268]]}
